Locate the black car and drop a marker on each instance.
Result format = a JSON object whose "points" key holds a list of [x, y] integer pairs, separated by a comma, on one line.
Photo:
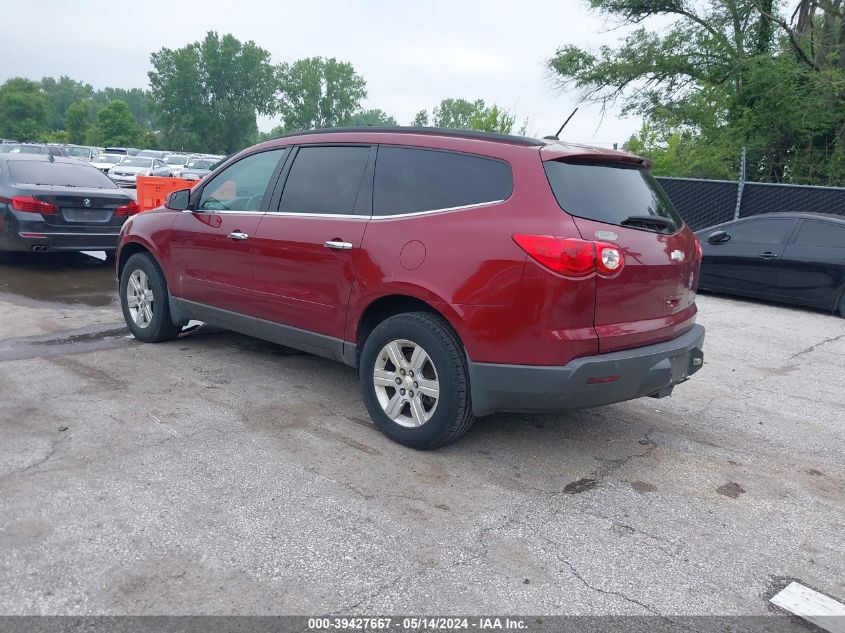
{"points": [[790, 257], [58, 204]]}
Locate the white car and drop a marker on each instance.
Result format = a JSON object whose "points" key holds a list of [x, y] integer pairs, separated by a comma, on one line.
{"points": [[177, 162], [125, 172], [104, 162]]}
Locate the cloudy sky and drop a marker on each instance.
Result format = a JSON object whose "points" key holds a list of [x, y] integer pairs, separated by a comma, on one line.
{"points": [[412, 54]]}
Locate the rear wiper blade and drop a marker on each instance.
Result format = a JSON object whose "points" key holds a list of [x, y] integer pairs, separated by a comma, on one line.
{"points": [[649, 220]]}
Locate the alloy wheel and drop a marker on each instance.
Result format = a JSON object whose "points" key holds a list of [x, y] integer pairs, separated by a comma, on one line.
{"points": [[140, 298], [406, 383]]}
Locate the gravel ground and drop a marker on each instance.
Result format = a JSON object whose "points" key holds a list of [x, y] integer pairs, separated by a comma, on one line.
{"points": [[219, 474]]}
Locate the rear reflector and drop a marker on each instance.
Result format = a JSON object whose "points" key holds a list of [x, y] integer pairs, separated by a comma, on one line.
{"points": [[33, 235], [128, 209], [572, 257], [600, 380], [32, 205]]}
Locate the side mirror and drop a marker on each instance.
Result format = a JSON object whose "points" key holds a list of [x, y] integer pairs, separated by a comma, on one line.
{"points": [[178, 200], [717, 237]]}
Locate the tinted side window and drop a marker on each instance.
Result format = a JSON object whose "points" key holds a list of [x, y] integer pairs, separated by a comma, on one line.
{"points": [[411, 180], [772, 231], [821, 234], [240, 187], [324, 180]]}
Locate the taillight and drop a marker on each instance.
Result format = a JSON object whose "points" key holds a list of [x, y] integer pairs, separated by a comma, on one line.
{"points": [[32, 205], [698, 254], [128, 209], [572, 257], [566, 256]]}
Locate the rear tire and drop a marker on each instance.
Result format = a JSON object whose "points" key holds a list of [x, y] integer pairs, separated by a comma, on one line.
{"points": [[842, 305], [144, 299], [5, 257], [423, 353]]}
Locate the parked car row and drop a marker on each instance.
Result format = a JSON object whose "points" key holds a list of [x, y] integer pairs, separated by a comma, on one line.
{"points": [[124, 164]]}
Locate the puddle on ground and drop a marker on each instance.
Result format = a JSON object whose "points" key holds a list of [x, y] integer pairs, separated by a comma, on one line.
{"points": [[87, 339], [63, 279]]}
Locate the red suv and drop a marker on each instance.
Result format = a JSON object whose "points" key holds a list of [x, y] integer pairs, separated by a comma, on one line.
{"points": [[462, 273]]}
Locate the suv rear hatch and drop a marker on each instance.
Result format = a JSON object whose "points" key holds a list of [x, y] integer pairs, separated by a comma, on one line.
{"points": [[613, 198]]}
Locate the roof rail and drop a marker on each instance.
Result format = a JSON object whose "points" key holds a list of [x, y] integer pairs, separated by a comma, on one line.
{"points": [[432, 131]]}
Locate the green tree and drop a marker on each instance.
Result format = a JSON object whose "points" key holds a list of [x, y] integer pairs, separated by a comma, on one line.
{"points": [[208, 94], [78, 119], [139, 101], [468, 115], [115, 126], [370, 118], [492, 119], [716, 76], [455, 113], [317, 93], [61, 93], [420, 119], [24, 109]]}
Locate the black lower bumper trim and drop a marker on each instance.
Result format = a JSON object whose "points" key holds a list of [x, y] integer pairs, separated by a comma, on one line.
{"points": [[590, 381]]}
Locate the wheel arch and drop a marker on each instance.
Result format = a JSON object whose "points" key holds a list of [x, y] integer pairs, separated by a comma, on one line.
{"points": [[386, 306]]}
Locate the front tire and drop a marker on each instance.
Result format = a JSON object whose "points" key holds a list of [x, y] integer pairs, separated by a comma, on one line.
{"points": [[415, 381], [144, 299]]}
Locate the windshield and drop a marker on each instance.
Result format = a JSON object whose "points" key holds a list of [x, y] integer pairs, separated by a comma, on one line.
{"points": [[69, 174], [109, 159], [79, 151], [176, 160], [26, 149], [149, 152], [135, 161], [200, 164], [609, 193]]}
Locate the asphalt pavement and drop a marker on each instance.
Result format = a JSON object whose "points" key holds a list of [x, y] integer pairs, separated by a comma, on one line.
{"points": [[220, 474]]}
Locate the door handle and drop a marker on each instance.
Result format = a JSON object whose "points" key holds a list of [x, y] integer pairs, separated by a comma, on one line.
{"points": [[237, 235], [338, 245], [768, 255]]}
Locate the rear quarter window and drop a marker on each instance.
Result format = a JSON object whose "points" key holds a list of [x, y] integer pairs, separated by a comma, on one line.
{"points": [[609, 193], [31, 172], [410, 180], [821, 234]]}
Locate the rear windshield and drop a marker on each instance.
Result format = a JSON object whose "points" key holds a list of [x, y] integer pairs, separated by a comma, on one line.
{"points": [[79, 151], [176, 160], [200, 164], [109, 159], [74, 174], [27, 149], [136, 162], [613, 194]]}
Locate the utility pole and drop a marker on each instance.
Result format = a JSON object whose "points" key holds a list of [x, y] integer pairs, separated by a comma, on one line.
{"points": [[741, 185]]}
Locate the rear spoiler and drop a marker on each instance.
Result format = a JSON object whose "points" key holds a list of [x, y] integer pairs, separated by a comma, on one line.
{"points": [[586, 154]]}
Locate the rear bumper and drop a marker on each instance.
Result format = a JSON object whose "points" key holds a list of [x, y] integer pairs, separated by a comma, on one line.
{"points": [[591, 381], [42, 239]]}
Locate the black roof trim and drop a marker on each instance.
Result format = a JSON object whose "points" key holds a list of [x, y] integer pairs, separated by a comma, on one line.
{"points": [[430, 131]]}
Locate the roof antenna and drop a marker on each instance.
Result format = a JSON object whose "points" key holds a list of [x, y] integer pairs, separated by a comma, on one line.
{"points": [[556, 137]]}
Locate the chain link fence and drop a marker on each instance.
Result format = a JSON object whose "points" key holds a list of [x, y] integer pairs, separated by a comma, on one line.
{"points": [[703, 203]]}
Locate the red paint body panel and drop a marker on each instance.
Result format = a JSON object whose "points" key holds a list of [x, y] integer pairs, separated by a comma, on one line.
{"points": [[653, 298], [505, 307], [210, 267], [297, 280]]}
